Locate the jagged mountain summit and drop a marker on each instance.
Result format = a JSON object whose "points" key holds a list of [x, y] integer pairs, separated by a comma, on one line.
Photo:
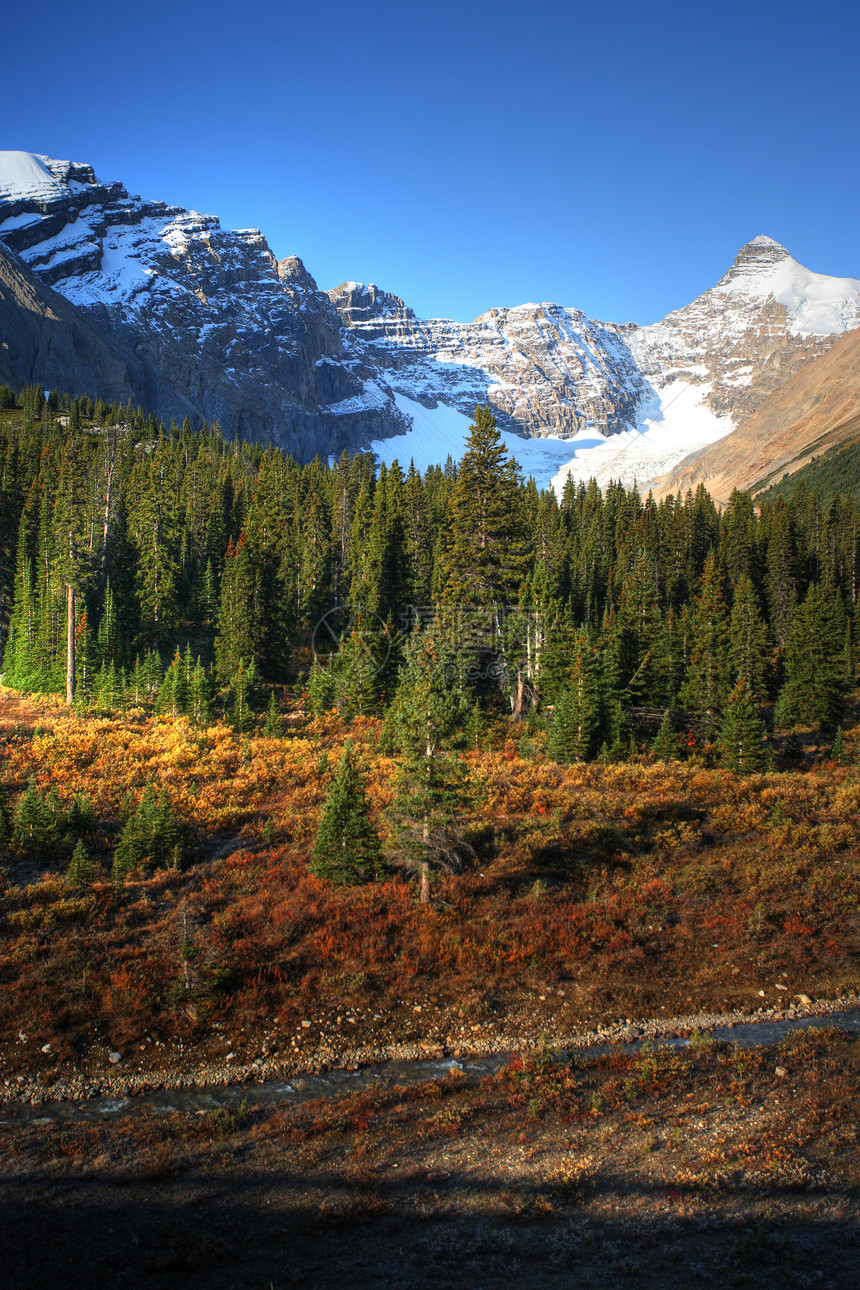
{"points": [[239, 336], [222, 327]]}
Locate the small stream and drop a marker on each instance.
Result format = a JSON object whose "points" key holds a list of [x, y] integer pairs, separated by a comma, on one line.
{"points": [[306, 1088]]}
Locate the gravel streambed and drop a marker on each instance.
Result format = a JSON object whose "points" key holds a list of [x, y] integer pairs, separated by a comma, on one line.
{"points": [[182, 1084]]}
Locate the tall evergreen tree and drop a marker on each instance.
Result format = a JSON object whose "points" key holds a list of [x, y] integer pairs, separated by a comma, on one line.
{"points": [[429, 708], [742, 732], [708, 683], [814, 661], [575, 720], [748, 640]]}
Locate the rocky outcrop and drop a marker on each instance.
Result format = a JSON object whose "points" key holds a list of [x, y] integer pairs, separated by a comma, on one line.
{"points": [[543, 369], [548, 370], [742, 338]]}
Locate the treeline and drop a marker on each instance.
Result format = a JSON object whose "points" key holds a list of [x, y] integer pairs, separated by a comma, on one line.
{"points": [[195, 571]]}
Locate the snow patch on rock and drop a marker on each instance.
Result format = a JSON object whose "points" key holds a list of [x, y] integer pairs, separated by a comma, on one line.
{"points": [[675, 422]]}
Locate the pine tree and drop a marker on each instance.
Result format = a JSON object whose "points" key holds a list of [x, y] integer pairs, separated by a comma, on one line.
{"points": [[243, 696], [742, 732], [80, 873], [748, 641], [486, 550], [199, 696], [428, 710], [322, 688], [36, 828], [154, 526], [837, 752], [154, 837], [174, 693], [639, 638], [273, 728], [358, 669], [347, 850]]}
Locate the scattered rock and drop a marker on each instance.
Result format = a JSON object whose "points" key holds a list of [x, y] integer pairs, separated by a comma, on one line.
{"points": [[46, 1048], [306, 1025], [803, 998], [781, 1072], [114, 1058]]}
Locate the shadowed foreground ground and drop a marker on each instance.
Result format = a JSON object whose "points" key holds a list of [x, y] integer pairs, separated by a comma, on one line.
{"points": [[664, 1169]]}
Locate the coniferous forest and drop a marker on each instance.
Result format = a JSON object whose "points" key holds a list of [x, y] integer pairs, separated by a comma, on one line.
{"points": [[204, 578]]}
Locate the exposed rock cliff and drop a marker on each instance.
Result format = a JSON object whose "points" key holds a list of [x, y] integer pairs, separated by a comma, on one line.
{"points": [[247, 341], [44, 339], [216, 324]]}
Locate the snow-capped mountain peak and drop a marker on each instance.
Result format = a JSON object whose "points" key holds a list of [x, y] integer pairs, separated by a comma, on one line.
{"points": [[250, 340], [816, 304]]}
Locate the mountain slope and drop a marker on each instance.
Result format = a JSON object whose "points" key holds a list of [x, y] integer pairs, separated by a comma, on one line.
{"points": [[247, 340], [46, 340], [238, 336], [811, 412]]}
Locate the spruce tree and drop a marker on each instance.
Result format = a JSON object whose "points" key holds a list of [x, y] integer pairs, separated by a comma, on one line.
{"points": [[638, 634], [707, 686], [428, 710], [575, 720], [243, 699], [742, 732], [154, 837], [200, 696], [347, 850], [273, 728], [485, 559], [814, 661], [748, 640], [35, 829], [665, 745], [80, 873]]}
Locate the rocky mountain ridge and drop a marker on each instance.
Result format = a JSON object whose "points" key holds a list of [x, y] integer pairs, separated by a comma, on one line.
{"points": [[234, 334], [242, 338]]}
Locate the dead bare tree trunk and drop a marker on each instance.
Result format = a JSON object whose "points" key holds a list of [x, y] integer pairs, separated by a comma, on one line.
{"points": [[425, 866], [519, 703], [70, 645]]}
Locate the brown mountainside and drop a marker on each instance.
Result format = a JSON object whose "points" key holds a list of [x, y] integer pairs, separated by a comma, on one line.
{"points": [[815, 409]]}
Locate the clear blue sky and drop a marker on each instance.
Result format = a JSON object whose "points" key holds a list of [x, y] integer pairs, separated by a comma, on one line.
{"points": [[469, 154]]}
